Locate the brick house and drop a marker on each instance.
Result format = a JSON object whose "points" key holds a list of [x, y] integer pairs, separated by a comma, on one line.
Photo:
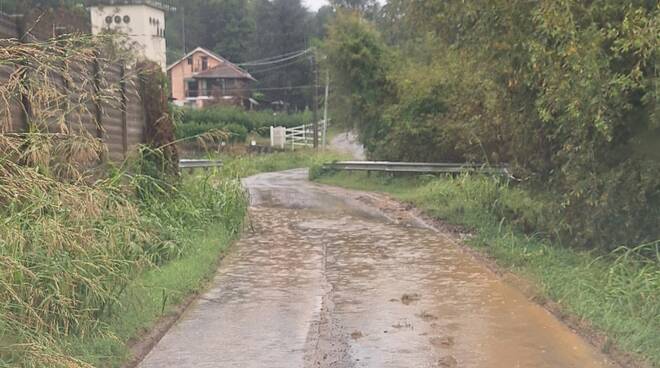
{"points": [[203, 78]]}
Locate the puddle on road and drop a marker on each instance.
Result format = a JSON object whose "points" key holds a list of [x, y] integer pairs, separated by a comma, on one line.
{"points": [[323, 282], [418, 301]]}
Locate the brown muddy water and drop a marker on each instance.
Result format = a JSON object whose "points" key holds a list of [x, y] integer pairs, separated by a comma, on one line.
{"points": [[325, 279]]}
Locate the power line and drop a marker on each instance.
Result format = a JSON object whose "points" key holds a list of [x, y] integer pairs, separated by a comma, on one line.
{"points": [[276, 67], [276, 61], [273, 57], [281, 88]]}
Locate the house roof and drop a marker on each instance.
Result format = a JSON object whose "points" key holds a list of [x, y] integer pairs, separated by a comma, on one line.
{"points": [[191, 53], [226, 69]]}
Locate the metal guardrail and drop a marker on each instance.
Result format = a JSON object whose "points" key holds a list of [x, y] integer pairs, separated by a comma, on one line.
{"points": [[416, 167], [199, 164]]}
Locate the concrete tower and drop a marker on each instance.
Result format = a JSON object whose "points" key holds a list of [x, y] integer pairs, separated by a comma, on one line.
{"points": [[143, 21]]}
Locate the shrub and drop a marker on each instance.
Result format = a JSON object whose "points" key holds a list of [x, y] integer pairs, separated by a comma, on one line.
{"points": [[235, 133], [238, 122]]}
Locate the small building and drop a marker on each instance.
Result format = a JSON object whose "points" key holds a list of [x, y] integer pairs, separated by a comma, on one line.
{"points": [[203, 78], [143, 21]]}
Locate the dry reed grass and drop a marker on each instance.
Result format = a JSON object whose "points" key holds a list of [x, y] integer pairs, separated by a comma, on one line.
{"points": [[72, 239]]}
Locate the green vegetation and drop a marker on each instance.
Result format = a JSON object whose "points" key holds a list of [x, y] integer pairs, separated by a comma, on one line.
{"points": [[78, 236], [75, 250], [617, 292], [92, 261], [235, 121], [563, 91], [241, 166], [153, 294]]}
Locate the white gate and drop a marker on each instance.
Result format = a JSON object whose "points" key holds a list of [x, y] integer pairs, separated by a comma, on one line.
{"points": [[300, 136]]}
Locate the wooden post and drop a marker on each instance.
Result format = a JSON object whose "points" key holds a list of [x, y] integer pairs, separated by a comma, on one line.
{"points": [[272, 138], [98, 111], [325, 107], [316, 105], [124, 113]]}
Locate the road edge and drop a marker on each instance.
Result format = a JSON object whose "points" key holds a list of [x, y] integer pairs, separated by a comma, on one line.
{"points": [[141, 345]]}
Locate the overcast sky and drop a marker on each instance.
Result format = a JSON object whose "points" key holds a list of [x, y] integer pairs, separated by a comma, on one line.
{"points": [[315, 4]]}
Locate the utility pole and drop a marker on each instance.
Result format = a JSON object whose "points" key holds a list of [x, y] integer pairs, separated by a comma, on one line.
{"points": [[183, 29], [325, 107], [316, 102]]}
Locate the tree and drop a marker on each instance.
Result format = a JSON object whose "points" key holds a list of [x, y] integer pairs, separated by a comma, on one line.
{"points": [[562, 90], [233, 29], [359, 5], [358, 61], [319, 22], [281, 27]]}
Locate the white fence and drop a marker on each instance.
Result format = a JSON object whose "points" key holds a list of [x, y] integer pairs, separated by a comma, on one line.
{"points": [[300, 136]]}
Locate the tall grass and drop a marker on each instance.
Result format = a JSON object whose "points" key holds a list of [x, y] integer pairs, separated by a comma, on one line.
{"points": [[71, 245], [617, 292], [75, 236]]}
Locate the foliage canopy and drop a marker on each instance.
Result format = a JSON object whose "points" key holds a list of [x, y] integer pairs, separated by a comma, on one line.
{"points": [[565, 91]]}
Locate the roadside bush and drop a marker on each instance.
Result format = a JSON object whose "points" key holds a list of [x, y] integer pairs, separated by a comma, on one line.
{"points": [[317, 170], [236, 121], [235, 133]]}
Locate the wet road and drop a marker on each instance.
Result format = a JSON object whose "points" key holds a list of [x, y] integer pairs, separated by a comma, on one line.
{"points": [[328, 278]]}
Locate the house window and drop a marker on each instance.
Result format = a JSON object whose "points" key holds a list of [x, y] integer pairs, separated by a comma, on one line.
{"points": [[205, 63], [190, 61], [193, 89]]}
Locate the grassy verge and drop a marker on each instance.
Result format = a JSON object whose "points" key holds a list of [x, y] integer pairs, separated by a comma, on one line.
{"points": [[155, 293], [618, 293], [198, 222]]}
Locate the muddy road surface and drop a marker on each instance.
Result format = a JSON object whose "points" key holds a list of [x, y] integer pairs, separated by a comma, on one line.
{"points": [[327, 277]]}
